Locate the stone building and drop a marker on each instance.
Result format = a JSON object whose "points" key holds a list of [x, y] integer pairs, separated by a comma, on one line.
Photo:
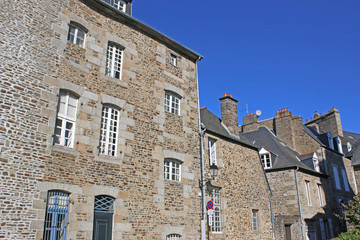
{"points": [[240, 191], [318, 144], [98, 125]]}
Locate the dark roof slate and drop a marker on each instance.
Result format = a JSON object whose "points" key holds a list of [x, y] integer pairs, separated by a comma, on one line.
{"points": [[286, 157], [214, 125], [352, 137]]}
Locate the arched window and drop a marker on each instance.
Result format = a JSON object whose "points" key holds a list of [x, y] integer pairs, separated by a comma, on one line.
{"points": [[173, 236], [77, 34], [103, 217], [56, 215], [65, 119], [109, 130], [172, 170]]}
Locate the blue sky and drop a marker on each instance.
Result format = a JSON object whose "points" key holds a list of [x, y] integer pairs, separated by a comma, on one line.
{"points": [[272, 54]]}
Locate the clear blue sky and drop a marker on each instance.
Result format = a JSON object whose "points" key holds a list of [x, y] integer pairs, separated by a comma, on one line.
{"points": [[272, 54]]}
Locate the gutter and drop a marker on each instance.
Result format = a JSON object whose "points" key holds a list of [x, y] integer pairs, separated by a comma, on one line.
{"points": [[201, 134], [298, 195]]}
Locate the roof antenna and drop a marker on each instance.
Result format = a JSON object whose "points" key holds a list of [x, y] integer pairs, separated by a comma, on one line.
{"points": [[247, 109]]}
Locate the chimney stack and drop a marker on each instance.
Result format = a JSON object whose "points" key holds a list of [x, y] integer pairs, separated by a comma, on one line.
{"points": [[229, 113]]}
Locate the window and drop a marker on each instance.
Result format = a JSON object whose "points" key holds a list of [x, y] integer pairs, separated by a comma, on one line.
{"points": [[212, 152], [114, 60], [172, 103], [307, 189], [345, 179], [348, 146], [118, 4], [341, 207], [215, 197], [265, 160], [316, 163], [321, 195], [109, 129], [330, 140], [173, 60], [172, 170], [103, 217], [65, 120], [336, 176], [173, 237], [76, 35], [56, 215], [255, 224]]}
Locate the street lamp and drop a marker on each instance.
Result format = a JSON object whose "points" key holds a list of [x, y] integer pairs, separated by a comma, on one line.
{"points": [[214, 170]]}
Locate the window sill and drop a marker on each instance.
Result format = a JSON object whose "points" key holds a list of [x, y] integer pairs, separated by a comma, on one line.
{"points": [[109, 159], [63, 149], [115, 80]]}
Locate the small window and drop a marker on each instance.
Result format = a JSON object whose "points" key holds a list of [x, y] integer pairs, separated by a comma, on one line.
{"points": [[348, 146], [173, 237], [321, 196], [336, 176], [114, 60], [65, 120], [212, 152], [172, 170], [109, 131], [345, 179], [265, 160], [215, 197], [255, 224], [316, 163], [76, 35], [56, 215], [118, 4], [173, 60], [307, 189], [172, 103]]}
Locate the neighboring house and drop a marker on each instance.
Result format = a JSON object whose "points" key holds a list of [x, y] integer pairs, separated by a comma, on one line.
{"points": [[300, 203], [98, 125], [240, 191], [354, 155], [312, 154]]}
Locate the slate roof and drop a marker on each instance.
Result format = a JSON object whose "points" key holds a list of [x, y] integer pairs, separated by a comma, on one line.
{"points": [[286, 157], [214, 125], [306, 156], [352, 137], [354, 154]]}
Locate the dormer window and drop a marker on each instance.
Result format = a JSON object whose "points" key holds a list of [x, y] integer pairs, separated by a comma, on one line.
{"points": [[316, 163], [265, 158], [330, 141], [348, 146], [118, 4], [173, 60]]}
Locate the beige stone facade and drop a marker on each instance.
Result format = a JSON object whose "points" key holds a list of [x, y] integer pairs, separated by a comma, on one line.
{"points": [[243, 188], [37, 63]]}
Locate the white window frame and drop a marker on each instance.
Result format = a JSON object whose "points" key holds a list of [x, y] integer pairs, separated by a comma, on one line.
{"points": [[212, 152], [114, 60], [173, 236], [173, 60], [265, 157], [255, 220], [109, 130], [120, 5], [77, 30], [337, 178], [65, 118], [307, 189], [316, 163], [216, 198], [339, 145], [321, 195], [172, 170], [172, 103], [345, 179], [348, 146]]}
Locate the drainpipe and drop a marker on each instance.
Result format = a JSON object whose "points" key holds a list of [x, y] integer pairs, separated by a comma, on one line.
{"points": [[298, 195], [201, 133], [271, 198]]}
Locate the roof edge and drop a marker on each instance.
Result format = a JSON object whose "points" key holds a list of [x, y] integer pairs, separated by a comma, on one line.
{"points": [[138, 25]]}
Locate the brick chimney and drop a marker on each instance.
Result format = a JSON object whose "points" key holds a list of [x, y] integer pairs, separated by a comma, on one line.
{"points": [[229, 113], [250, 122]]}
